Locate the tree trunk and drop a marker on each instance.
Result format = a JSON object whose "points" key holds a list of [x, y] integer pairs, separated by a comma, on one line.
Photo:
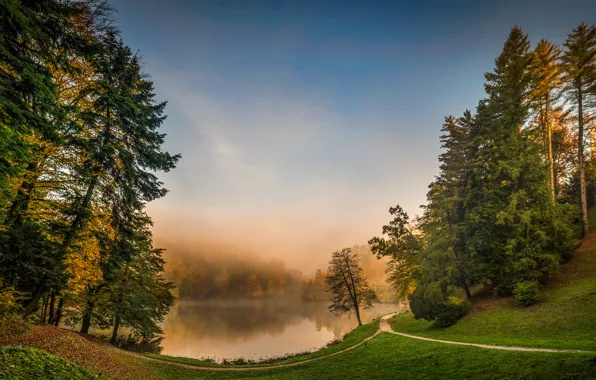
{"points": [[31, 305], [59, 311], [51, 314], [357, 310], [87, 317], [580, 162], [44, 308], [466, 289], [115, 330], [355, 298], [551, 166]]}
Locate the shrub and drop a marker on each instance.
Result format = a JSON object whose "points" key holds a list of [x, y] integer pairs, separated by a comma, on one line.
{"points": [[453, 311], [430, 302], [9, 298], [527, 293], [11, 323]]}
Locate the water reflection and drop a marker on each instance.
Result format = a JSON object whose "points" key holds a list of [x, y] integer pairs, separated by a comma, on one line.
{"points": [[253, 329]]}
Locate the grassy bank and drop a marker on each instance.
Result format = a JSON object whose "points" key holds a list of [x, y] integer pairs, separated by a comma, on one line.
{"points": [[564, 318], [353, 338], [393, 357]]}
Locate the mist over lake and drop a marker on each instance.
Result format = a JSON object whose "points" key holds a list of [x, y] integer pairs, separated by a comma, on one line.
{"points": [[254, 329]]}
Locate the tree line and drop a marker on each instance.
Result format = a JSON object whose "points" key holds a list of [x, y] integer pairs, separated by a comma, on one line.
{"points": [[80, 144], [515, 183]]}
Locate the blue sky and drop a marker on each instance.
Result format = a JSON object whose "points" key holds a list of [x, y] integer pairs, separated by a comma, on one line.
{"points": [[301, 122]]}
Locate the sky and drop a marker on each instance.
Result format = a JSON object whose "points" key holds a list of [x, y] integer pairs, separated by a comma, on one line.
{"points": [[301, 122]]}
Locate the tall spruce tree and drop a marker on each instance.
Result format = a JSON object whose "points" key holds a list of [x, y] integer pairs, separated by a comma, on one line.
{"points": [[579, 74], [513, 230], [445, 257], [545, 91]]}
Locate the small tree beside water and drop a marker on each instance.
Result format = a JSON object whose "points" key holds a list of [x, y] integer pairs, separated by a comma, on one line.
{"points": [[347, 285]]}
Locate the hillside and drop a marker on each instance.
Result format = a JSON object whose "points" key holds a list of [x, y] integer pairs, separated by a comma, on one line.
{"points": [[565, 317]]}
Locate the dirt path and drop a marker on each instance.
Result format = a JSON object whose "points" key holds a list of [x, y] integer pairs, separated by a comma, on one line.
{"points": [[386, 327], [253, 368]]}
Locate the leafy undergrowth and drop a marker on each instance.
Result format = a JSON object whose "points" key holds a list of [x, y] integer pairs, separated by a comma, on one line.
{"points": [[352, 338], [12, 325], [565, 317], [393, 357], [18, 362], [75, 348]]}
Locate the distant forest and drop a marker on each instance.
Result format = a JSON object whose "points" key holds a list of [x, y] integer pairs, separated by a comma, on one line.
{"points": [[227, 273]]}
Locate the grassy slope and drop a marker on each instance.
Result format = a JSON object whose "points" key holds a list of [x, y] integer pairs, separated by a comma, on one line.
{"points": [[354, 337], [31, 363], [565, 317], [393, 357], [97, 358]]}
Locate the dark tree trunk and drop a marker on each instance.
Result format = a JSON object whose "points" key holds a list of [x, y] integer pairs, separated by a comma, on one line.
{"points": [[357, 310], [354, 292], [31, 305], [115, 330], [51, 313], [44, 308], [466, 289], [580, 162], [87, 317], [59, 311]]}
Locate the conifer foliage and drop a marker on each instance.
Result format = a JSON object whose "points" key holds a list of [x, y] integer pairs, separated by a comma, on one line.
{"points": [[504, 210], [80, 145]]}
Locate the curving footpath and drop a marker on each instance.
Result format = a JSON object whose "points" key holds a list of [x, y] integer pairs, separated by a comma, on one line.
{"points": [[256, 366], [386, 327]]}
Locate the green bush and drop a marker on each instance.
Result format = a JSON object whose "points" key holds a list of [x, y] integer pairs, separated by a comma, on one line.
{"points": [[527, 293], [453, 311], [9, 298], [430, 302]]}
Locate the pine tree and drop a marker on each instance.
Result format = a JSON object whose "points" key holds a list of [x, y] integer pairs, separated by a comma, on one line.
{"points": [[579, 75], [545, 90], [445, 257], [513, 230]]}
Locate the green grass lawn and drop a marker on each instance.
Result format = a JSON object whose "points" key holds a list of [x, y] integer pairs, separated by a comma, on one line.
{"points": [[564, 318], [393, 357], [354, 337]]}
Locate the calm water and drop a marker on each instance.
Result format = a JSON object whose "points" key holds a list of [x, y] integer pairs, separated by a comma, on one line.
{"points": [[255, 329]]}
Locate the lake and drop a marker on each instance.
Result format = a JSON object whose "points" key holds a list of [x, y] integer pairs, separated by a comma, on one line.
{"points": [[254, 329]]}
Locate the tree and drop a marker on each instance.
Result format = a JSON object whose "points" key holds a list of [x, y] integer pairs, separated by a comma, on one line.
{"points": [[513, 231], [348, 285], [445, 258], [579, 75], [545, 86], [404, 246]]}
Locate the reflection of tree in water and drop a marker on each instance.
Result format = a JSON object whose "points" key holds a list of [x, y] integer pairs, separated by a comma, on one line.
{"points": [[231, 321]]}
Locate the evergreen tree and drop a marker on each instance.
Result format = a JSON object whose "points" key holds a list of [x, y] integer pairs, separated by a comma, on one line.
{"points": [[513, 231], [579, 75], [545, 89], [445, 257]]}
